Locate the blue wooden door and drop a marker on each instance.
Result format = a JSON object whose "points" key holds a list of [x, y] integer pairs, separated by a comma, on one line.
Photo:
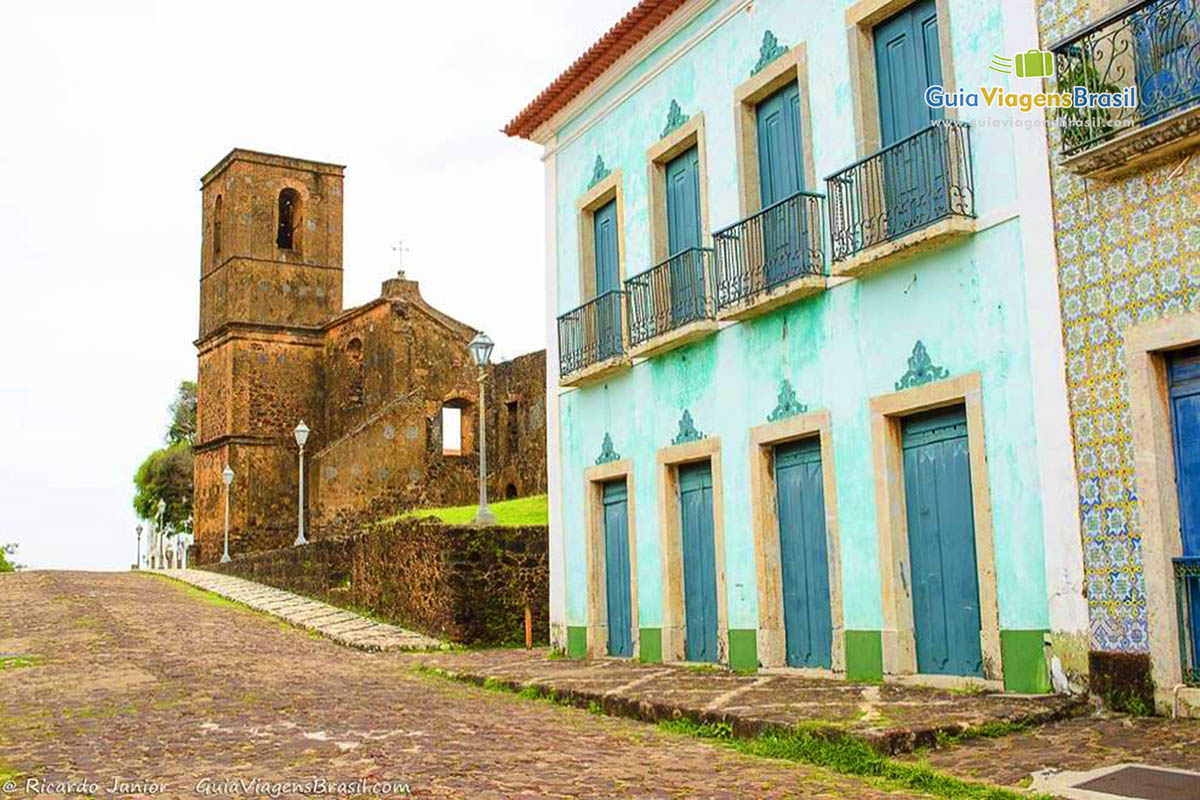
{"points": [[1166, 36], [803, 554], [1184, 374], [780, 175], [683, 234], [699, 560], [615, 498], [608, 281], [941, 543], [907, 62]]}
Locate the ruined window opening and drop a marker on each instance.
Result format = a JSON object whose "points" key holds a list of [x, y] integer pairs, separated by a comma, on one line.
{"points": [[510, 492], [354, 355], [289, 218], [514, 424], [451, 431], [216, 227]]}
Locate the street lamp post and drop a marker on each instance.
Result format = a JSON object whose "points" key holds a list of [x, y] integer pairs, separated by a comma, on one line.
{"points": [[301, 437], [137, 564], [481, 353], [227, 478], [159, 536]]}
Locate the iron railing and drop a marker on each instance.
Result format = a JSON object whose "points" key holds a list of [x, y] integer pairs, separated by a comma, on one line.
{"points": [[915, 182], [1153, 46], [670, 295], [1187, 600], [767, 249], [590, 333]]}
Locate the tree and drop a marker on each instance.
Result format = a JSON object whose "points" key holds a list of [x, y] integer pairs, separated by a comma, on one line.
{"points": [[183, 414], [6, 564], [165, 475]]}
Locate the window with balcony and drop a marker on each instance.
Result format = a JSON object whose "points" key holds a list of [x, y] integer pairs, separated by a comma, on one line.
{"points": [[1151, 46], [774, 255], [591, 336], [913, 186]]}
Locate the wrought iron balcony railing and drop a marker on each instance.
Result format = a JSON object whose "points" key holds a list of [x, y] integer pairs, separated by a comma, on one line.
{"points": [[1153, 45], [913, 183], [1187, 597], [768, 249], [670, 295], [590, 333]]}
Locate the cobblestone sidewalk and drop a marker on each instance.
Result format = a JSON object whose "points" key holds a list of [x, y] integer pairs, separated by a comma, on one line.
{"points": [[343, 627], [892, 718]]}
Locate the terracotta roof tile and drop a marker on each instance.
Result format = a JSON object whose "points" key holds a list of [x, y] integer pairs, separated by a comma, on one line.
{"points": [[633, 27]]}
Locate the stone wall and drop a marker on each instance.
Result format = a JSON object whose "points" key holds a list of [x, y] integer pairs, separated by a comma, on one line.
{"points": [[460, 583]]}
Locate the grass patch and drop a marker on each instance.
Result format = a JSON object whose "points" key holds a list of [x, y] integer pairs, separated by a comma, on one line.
{"points": [[533, 510], [18, 662], [846, 756], [989, 730]]}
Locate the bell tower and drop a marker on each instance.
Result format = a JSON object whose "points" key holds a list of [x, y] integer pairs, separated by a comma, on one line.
{"points": [[272, 242], [270, 278]]}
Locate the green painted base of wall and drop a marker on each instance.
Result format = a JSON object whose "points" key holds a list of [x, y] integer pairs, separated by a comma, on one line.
{"points": [[576, 642], [743, 650], [1024, 657], [650, 645], [864, 656]]}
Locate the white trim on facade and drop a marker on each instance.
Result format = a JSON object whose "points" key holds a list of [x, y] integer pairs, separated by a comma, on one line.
{"points": [[1063, 544], [558, 576]]}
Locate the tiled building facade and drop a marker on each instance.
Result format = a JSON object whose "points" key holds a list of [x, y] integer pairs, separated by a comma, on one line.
{"points": [[1127, 228]]}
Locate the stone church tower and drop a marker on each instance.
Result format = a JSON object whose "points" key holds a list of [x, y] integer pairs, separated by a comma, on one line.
{"points": [[270, 278]]}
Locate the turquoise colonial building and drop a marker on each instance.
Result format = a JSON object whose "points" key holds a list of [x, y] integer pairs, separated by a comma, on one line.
{"points": [[806, 405]]}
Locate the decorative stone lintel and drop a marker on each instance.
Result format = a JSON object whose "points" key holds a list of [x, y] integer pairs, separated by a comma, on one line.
{"points": [[921, 369], [607, 453], [675, 117], [687, 430], [787, 406], [770, 50], [599, 171]]}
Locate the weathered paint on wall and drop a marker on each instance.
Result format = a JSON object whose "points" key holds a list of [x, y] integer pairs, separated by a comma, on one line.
{"points": [[965, 302]]}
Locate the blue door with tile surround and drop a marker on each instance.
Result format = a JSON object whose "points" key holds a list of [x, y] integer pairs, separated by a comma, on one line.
{"points": [[615, 499], [608, 281], [780, 176], [1184, 376], [803, 554], [683, 234], [699, 560], [907, 62], [943, 577]]}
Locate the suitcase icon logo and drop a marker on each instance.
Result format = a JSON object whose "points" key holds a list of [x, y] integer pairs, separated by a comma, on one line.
{"points": [[1030, 64]]}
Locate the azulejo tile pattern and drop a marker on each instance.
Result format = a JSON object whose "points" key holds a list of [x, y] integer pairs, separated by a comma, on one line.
{"points": [[1128, 252]]}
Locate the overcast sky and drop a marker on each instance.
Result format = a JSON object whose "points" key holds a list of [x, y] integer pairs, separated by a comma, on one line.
{"points": [[112, 111]]}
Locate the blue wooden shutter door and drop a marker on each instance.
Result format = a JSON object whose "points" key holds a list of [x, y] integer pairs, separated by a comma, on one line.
{"points": [[780, 176], [608, 280], [699, 561], [803, 554], [941, 543], [616, 568], [907, 62], [1185, 417], [683, 234]]}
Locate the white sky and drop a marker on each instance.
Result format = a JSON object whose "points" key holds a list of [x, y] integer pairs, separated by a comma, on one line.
{"points": [[110, 113]]}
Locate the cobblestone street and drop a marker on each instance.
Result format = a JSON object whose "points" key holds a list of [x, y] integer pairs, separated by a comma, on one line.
{"points": [[137, 677]]}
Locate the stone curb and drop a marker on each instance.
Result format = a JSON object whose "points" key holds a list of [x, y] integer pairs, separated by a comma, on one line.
{"points": [[336, 624], [889, 742]]}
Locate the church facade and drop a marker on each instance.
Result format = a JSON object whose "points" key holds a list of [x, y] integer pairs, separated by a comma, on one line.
{"points": [[387, 388]]}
